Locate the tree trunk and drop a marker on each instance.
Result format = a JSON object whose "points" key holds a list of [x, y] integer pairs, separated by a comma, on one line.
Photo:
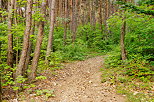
{"points": [[15, 12], [29, 50], [50, 40], [65, 22], [26, 39], [100, 15], [105, 17], [74, 20], [39, 40], [10, 36], [122, 38], [93, 19]]}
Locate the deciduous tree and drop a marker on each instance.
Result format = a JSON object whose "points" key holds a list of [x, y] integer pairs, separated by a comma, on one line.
{"points": [[50, 38], [20, 67], [39, 40]]}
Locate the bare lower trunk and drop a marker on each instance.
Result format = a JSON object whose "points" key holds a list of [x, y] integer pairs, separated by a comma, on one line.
{"points": [[122, 38], [65, 23], [74, 20], [100, 15], [17, 52], [10, 36], [26, 39], [29, 50], [93, 19], [39, 40], [50, 38]]}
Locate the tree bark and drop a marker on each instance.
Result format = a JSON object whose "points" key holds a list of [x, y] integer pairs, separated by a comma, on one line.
{"points": [[65, 22], [100, 15], [29, 50], [122, 39], [10, 36], [39, 40], [26, 39], [74, 20], [50, 40], [92, 16]]}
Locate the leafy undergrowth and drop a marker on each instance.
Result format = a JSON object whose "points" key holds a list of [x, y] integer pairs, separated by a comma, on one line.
{"points": [[133, 79]]}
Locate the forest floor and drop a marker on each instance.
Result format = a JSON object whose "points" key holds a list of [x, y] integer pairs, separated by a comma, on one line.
{"points": [[79, 81]]}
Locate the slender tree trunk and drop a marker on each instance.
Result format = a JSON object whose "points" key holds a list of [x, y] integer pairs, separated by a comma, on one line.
{"points": [[122, 38], [100, 15], [105, 16], [30, 42], [10, 36], [15, 12], [17, 53], [17, 38], [39, 40], [93, 19], [50, 38], [29, 50], [74, 20], [66, 20], [26, 39]]}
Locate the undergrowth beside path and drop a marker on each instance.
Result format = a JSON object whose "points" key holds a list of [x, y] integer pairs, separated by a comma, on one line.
{"points": [[135, 88]]}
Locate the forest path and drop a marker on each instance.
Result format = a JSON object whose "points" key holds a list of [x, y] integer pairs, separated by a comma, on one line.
{"points": [[81, 82]]}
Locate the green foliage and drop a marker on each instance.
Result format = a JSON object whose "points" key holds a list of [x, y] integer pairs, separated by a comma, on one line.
{"points": [[40, 77], [135, 90], [93, 37], [138, 43], [47, 93], [75, 51], [20, 79], [61, 52], [136, 73], [55, 60], [136, 67], [37, 16], [6, 75], [138, 9]]}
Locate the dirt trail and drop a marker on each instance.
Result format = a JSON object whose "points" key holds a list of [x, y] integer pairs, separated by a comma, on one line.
{"points": [[81, 82]]}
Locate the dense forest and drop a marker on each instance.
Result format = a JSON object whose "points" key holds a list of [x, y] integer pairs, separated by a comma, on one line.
{"points": [[36, 35]]}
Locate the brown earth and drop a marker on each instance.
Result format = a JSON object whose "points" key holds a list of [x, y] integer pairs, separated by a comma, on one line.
{"points": [[79, 81]]}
